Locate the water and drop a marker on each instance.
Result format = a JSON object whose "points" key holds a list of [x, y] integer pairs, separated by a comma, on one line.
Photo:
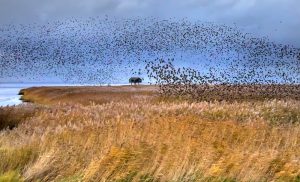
{"points": [[9, 91]]}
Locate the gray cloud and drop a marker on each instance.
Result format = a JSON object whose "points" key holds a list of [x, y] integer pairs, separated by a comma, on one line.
{"points": [[276, 19]]}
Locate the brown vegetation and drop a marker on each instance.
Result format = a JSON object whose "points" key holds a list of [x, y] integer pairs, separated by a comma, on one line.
{"points": [[85, 95], [10, 117], [128, 134]]}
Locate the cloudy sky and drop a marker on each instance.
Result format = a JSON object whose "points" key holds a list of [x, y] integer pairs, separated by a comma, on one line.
{"points": [[277, 19]]}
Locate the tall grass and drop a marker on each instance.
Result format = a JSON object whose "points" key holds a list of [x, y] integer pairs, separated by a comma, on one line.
{"points": [[146, 139], [10, 117]]}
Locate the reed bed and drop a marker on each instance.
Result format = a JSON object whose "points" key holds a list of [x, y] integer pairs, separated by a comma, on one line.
{"points": [[144, 138]]}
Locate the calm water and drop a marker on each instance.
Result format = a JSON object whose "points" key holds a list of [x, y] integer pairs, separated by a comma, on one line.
{"points": [[9, 91], [9, 95]]}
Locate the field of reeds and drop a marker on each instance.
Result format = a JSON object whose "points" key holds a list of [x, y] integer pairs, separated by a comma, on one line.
{"points": [[132, 134]]}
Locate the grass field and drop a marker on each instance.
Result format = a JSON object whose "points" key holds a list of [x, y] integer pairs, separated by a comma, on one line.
{"points": [[132, 134]]}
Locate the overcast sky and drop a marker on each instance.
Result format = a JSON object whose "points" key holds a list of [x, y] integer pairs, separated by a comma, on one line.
{"points": [[277, 19]]}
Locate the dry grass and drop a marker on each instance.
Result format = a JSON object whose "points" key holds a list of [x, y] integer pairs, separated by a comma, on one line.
{"points": [[85, 95], [10, 117], [231, 93], [147, 139]]}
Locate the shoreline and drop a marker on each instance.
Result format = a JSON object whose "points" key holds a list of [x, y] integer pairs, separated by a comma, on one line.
{"points": [[13, 92], [217, 92]]}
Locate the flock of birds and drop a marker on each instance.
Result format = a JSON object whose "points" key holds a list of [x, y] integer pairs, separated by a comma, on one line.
{"points": [[191, 83], [103, 50]]}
